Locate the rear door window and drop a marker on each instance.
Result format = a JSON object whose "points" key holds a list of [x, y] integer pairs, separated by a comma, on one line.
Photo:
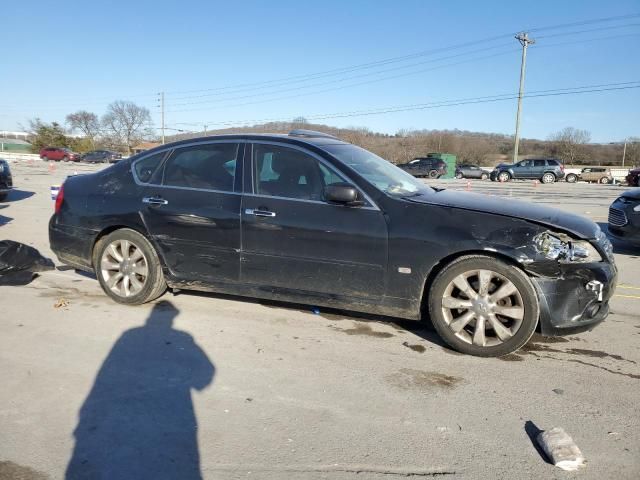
{"points": [[146, 167], [538, 163], [207, 166]]}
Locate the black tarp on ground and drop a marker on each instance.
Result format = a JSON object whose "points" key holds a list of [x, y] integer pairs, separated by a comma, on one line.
{"points": [[19, 263]]}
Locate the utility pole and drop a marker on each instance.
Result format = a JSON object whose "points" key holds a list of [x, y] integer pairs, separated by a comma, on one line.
{"points": [[205, 130], [162, 114], [624, 152], [525, 41]]}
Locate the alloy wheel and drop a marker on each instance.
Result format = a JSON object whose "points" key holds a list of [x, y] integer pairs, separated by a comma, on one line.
{"points": [[124, 268], [483, 308], [504, 177], [548, 178]]}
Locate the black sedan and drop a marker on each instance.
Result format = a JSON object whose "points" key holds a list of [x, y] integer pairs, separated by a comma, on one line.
{"points": [[308, 218], [471, 171], [100, 156], [6, 180], [624, 217]]}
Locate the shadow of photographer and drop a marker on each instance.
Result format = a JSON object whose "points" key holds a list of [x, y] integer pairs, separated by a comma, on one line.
{"points": [[138, 420]]}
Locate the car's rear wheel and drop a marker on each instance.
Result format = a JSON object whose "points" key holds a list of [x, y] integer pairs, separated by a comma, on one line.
{"points": [[604, 180], [571, 178], [548, 178], [433, 174], [44, 158], [128, 268], [504, 177], [459, 175], [483, 306], [484, 176]]}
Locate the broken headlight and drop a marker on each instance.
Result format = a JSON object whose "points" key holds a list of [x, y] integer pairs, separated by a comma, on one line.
{"points": [[561, 247]]}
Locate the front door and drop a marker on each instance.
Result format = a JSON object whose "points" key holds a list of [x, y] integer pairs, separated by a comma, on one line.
{"points": [[293, 239], [193, 212]]}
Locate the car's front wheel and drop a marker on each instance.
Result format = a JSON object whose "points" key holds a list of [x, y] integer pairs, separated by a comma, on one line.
{"points": [[604, 180], [459, 175], [504, 177], [484, 176], [548, 178], [483, 306], [128, 267], [571, 178]]}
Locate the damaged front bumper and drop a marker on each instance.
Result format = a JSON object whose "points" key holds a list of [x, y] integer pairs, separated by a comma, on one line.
{"points": [[577, 300]]}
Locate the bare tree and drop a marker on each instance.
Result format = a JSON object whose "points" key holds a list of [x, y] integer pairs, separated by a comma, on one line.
{"points": [[127, 123], [569, 144], [86, 122]]}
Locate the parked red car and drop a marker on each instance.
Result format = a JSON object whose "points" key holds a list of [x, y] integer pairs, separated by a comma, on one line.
{"points": [[57, 154], [633, 178]]}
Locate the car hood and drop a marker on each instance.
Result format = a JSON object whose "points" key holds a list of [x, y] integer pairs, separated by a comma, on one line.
{"points": [[575, 224], [632, 194]]}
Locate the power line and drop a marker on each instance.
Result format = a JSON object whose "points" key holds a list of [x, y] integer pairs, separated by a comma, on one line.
{"points": [[445, 103]]}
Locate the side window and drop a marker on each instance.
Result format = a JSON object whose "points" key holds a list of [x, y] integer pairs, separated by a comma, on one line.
{"points": [[538, 163], [286, 172], [208, 166], [146, 167], [329, 176]]}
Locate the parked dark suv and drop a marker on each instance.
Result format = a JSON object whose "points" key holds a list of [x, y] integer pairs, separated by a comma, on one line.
{"points": [[547, 170], [101, 156], [6, 180], [308, 218], [425, 167], [633, 177]]}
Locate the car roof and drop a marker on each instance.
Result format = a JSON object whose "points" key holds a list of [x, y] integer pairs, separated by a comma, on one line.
{"points": [[308, 138]]}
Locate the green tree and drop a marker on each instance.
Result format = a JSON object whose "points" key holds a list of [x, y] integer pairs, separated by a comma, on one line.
{"points": [[45, 134]]}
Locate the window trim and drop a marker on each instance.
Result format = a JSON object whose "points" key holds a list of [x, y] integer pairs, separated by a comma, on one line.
{"points": [[369, 205], [169, 151]]}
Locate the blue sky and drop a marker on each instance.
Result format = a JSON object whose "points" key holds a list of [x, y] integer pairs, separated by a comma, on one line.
{"points": [[59, 57]]}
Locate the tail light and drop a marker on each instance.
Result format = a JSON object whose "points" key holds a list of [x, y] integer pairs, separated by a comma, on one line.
{"points": [[59, 199], [562, 167]]}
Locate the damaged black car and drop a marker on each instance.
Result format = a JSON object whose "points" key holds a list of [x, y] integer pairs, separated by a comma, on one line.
{"points": [[308, 218]]}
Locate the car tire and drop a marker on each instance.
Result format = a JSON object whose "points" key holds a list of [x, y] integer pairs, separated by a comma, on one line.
{"points": [[604, 180], [433, 174], [44, 158], [128, 267], [504, 177], [484, 176], [548, 178], [571, 178], [459, 176], [65, 159], [475, 330]]}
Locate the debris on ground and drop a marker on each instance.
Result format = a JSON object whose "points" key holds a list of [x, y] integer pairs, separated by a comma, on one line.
{"points": [[19, 263], [61, 303], [561, 449]]}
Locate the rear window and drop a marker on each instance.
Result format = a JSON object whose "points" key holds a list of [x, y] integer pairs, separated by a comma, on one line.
{"points": [[553, 163], [538, 163]]}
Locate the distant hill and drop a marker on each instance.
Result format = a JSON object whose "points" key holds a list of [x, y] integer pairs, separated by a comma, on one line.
{"points": [[487, 149]]}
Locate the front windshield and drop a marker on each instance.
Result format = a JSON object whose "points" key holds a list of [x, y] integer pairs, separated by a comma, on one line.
{"points": [[379, 172]]}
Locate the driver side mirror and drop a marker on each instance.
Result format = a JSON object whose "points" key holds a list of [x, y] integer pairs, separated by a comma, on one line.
{"points": [[342, 193]]}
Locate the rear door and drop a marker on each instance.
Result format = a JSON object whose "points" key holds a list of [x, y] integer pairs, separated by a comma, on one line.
{"points": [[191, 208], [539, 167], [293, 239]]}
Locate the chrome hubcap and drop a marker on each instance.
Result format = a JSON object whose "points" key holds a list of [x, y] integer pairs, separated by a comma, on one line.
{"points": [[124, 268], [483, 308]]}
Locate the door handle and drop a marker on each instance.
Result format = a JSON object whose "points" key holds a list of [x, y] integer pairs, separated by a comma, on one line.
{"points": [[154, 201], [259, 213]]}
